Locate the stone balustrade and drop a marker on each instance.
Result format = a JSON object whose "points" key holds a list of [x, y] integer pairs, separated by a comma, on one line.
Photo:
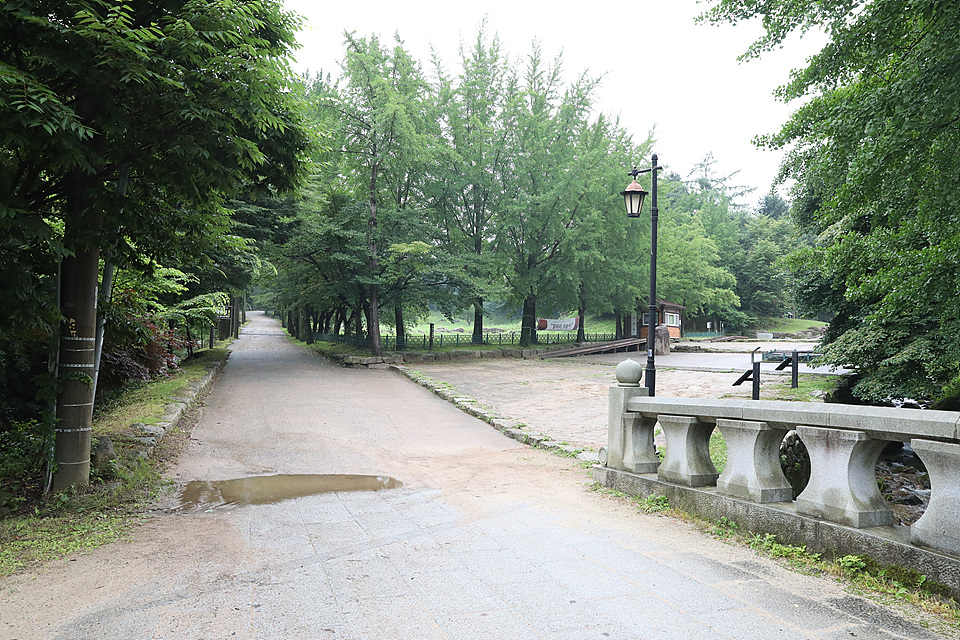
{"points": [[843, 441]]}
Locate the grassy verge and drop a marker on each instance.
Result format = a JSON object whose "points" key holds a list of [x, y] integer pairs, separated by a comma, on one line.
{"points": [[75, 521], [786, 325], [906, 590]]}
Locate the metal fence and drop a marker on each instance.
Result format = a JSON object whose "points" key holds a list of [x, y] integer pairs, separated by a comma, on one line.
{"points": [[441, 340]]}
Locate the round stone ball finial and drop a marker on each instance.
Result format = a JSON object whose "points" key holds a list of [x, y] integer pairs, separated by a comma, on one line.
{"points": [[629, 373]]}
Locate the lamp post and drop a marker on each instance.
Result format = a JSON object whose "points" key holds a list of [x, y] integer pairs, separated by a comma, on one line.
{"points": [[633, 197]]}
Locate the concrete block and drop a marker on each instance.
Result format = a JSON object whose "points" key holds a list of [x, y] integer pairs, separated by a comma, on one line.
{"points": [[704, 409], [889, 423], [512, 353], [412, 357], [939, 527], [687, 458], [780, 414], [843, 484], [753, 462]]}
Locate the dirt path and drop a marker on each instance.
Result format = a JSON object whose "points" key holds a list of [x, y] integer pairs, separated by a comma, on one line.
{"points": [[566, 399]]}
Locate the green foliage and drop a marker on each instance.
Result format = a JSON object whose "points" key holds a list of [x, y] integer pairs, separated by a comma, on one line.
{"points": [[852, 564], [654, 504], [872, 151]]}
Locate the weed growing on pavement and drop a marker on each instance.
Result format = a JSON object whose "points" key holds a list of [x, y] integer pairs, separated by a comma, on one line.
{"points": [[654, 504], [863, 575]]}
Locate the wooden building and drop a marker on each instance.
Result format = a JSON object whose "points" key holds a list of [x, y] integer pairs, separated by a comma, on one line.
{"points": [[670, 315]]}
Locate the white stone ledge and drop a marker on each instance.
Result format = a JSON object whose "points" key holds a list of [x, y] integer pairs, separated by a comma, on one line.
{"points": [[880, 423]]}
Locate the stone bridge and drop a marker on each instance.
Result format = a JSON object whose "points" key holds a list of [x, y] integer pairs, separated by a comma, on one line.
{"points": [[841, 510]]}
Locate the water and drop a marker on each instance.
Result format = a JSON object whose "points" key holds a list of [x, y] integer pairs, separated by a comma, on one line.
{"points": [[269, 489]]}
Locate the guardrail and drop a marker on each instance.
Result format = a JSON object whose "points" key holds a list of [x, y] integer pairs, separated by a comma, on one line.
{"points": [[844, 443]]}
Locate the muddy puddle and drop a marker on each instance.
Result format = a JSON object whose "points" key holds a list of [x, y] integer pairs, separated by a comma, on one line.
{"points": [[269, 489]]}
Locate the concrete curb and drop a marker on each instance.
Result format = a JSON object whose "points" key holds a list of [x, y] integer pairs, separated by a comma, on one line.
{"points": [[507, 426], [150, 435], [415, 357]]}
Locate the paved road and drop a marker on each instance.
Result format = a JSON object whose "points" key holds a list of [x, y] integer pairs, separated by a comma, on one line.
{"points": [[485, 539]]}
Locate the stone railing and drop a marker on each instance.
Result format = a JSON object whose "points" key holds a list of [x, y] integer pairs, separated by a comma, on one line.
{"points": [[843, 441]]}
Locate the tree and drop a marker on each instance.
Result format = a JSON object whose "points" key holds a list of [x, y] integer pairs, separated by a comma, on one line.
{"points": [[554, 151], [384, 118], [872, 151], [467, 190], [186, 102]]}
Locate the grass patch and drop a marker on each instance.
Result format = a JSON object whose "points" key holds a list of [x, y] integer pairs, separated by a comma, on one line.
{"points": [[75, 521], [809, 389], [786, 325], [145, 403]]}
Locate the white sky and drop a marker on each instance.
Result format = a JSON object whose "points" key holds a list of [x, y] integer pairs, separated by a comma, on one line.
{"points": [[660, 68]]}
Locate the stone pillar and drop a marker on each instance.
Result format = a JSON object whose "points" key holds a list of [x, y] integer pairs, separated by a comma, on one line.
{"points": [[629, 445], [687, 458], [939, 526], [843, 482], [629, 435], [753, 462]]}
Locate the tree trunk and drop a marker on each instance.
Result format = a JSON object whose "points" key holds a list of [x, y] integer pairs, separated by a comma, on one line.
{"points": [[303, 326], [373, 321], [401, 330], [581, 334], [236, 317], [339, 316], [358, 318], [618, 329], [75, 369], [528, 324], [79, 277], [478, 321]]}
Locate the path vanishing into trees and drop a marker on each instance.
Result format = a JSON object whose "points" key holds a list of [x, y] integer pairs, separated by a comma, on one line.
{"points": [[484, 539]]}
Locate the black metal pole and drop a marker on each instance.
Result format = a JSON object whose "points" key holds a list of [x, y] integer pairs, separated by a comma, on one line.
{"points": [[795, 370], [756, 380], [651, 371]]}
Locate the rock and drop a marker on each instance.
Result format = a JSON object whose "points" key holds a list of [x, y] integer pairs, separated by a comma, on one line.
{"points": [[102, 453], [661, 343], [795, 462]]}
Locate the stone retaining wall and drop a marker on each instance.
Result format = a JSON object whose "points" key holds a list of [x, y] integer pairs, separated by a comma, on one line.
{"points": [[416, 357]]}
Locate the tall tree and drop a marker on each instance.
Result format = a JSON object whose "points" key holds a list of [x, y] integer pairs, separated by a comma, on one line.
{"points": [[384, 118], [872, 150], [467, 189], [554, 152], [191, 100]]}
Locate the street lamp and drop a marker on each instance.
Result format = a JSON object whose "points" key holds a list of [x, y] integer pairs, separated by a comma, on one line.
{"points": [[633, 197]]}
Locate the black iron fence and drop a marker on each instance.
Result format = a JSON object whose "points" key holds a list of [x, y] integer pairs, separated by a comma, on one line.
{"points": [[442, 340]]}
